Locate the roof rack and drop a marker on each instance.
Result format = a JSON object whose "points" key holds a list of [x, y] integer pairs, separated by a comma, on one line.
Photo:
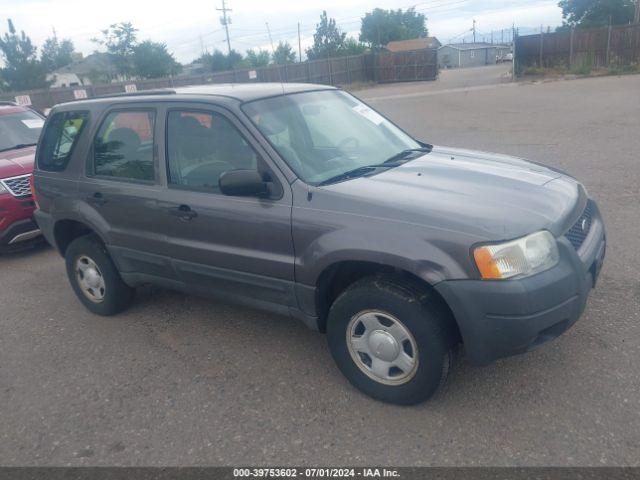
{"points": [[157, 91]]}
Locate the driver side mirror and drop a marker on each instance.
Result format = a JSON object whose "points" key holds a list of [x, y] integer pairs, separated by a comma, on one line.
{"points": [[243, 183]]}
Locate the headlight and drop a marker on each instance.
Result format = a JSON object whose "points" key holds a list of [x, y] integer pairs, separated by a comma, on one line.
{"points": [[523, 257]]}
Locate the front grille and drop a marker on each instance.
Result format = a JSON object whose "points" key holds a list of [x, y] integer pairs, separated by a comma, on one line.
{"points": [[18, 186], [577, 234]]}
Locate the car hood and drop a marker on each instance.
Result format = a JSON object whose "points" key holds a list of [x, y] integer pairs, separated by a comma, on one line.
{"points": [[485, 195], [17, 162]]}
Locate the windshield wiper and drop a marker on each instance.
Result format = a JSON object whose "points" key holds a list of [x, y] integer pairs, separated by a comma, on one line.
{"points": [[18, 146], [407, 153], [392, 162], [355, 173]]}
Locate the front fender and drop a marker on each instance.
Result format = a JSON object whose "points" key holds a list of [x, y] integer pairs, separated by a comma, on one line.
{"points": [[430, 254]]}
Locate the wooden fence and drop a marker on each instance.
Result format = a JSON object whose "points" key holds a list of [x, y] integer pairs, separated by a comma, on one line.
{"points": [[594, 47], [385, 67], [379, 67]]}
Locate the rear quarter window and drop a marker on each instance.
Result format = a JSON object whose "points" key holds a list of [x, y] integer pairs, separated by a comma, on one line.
{"points": [[60, 136]]}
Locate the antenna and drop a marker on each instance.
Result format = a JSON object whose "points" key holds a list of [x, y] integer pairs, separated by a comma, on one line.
{"points": [[273, 51], [300, 44]]}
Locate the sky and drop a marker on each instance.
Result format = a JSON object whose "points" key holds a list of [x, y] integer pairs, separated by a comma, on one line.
{"points": [[189, 27]]}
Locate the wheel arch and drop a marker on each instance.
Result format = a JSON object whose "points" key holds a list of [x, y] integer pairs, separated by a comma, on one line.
{"points": [[337, 277], [66, 230]]}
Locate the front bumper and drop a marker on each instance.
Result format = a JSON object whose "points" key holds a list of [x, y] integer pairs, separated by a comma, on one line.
{"points": [[17, 226], [500, 318]]}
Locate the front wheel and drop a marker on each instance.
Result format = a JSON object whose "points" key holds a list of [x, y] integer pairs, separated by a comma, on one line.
{"points": [[390, 340]]}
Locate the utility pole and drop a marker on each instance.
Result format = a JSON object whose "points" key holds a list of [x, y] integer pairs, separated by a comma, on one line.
{"points": [[474, 31], [299, 44], [225, 21], [637, 16]]}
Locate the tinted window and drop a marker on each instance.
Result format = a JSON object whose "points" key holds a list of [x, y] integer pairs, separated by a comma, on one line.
{"points": [[201, 146], [123, 147], [61, 134]]}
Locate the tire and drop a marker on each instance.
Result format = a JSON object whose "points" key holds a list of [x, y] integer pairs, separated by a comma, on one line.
{"points": [[89, 253], [377, 301]]}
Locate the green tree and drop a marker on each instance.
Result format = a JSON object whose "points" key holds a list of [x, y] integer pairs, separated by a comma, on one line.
{"points": [[153, 60], [284, 54], [234, 60], [328, 39], [380, 26], [254, 59], [219, 62], [56, 54], [351, 46], [120, 40], [22, 70], [593, 13]]}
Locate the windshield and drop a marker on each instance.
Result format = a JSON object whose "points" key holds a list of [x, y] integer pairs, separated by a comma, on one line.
{"points": [[325, 134], [19, 129]]}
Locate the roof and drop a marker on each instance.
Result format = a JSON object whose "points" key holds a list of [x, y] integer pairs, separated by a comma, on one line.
{"points": [[7, 108], [243, 92], [250, 91], [99, 62], [474, 46], [413, 44]]}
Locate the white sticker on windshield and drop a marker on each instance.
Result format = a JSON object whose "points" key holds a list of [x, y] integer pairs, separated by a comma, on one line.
{"points": [[369, 114], [33, 123]]}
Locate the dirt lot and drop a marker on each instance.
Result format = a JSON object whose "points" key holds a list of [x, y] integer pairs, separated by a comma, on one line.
{"points": [[182, 381]]}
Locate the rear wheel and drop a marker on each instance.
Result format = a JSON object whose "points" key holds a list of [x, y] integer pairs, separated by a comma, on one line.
{"points": [[390, 339], [94, 277]]}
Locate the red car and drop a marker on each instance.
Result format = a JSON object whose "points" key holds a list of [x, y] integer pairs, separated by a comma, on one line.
{"points": [[19, 131]]}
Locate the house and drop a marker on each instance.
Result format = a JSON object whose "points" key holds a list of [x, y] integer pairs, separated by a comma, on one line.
{"points": [[462, 55], [413, 44], [95, 68]]}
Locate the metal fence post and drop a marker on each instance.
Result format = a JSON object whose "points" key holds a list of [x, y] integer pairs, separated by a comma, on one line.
{"points": [[609, 45], [541, 46], [513, 59], [330, 72], [573, 29]]}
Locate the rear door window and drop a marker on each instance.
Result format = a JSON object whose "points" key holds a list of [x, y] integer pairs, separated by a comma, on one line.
{"points": [[123, 147], [60, 137]]}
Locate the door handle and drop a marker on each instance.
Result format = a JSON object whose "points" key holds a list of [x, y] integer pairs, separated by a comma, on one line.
{"points": [[183, 212], [97, 198]]}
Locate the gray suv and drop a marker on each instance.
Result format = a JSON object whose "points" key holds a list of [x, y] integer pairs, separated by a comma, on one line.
{"points": [[302, 200]]}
